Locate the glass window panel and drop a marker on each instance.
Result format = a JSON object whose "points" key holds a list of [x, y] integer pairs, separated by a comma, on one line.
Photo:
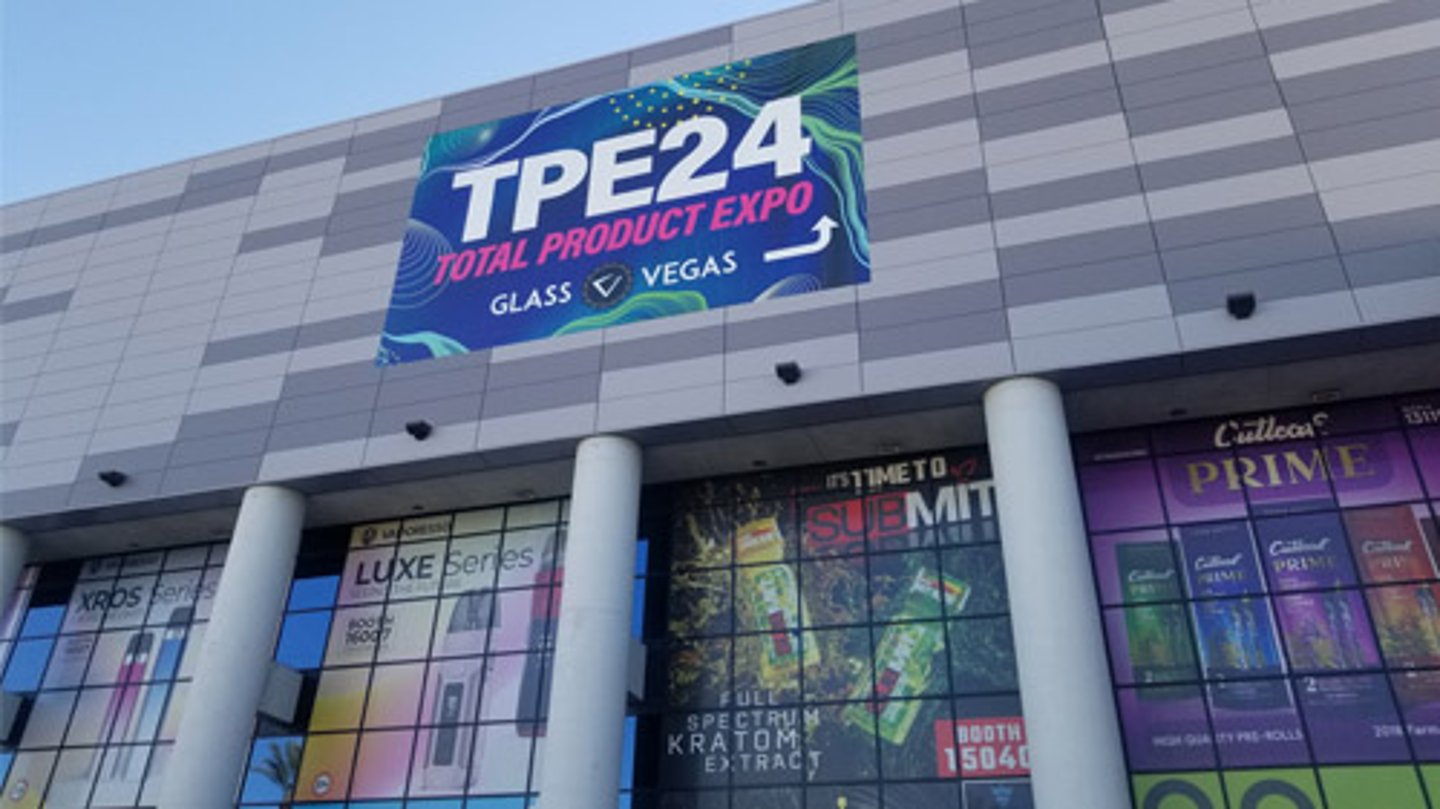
{"points": [[1120, 495], [146, 721], [28, 778], [382, 764], [700, 603], [514, 628], [977, 578], [501, 697], [1284, 478], [205, 599], [217, 554], [920, 750], [129, 601], [93, 718], [845, 737], [1352, 719], [367, 575], [41, 621], [339, 699], [1426, 443], [74, 777], [984, 794], [464, 624], [1305, 552], [1256, 724], [325, 767], [1150, 644], [1165, 728], [170, 728], [500, 760], [1219, 559], [190, 656], [274, 763], [314, 592], [1418, 693], [302, 640], [844, 667], [144, 562], [484, 521], [100, 567], [115, 658], [434, 526], [544, 512], [1390, 545], [702, 537], [1407, 619], [180, 558], [27, 664], [441, 760], [1374, 468], [1202, 487], [452, 690], [173, 599], [903, 586], [768, 600], [1327, 631], [374, 534], [405, 634], [834, 591], [982, 656], [763, 665], [910, 660], [121, 771], [527, 557], [88, 603], [354, 635], [472, 564], [698, 673], [1136, 568], [394, 696], [155, 776], [48, 717], [68, 661], [419, 568], [1236, 638]]}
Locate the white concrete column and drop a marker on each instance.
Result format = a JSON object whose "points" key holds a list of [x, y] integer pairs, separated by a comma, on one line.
{"points": [[586, 727], [214, 737], [14, 552], [1076, 758]]}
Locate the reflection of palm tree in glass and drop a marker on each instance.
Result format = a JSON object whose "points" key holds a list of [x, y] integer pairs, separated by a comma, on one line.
{"points": [[281, 765]]}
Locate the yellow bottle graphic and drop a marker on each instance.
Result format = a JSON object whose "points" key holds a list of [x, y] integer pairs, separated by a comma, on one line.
{"points": [[770, 602]]}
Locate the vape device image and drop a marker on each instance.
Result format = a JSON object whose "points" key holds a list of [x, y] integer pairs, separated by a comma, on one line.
{"points": [[456, 691], [1147, 572], [167, 662], [127, 687], [544, 611]]}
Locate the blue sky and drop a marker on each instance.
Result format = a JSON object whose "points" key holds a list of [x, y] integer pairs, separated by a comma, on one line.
{"points": [[94, 88]]}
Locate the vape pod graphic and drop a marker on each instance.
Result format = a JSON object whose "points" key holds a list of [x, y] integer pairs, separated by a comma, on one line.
{"points": [[544, 611], [127, 688], [167, 663], [1155, 634], [456, 690], [769, 595]]}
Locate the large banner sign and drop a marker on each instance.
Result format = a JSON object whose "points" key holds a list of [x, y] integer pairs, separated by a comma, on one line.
{"points": [[722, 186]]}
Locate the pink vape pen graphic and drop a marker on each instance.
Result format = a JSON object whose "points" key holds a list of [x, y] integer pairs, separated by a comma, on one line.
{"points": [[167, 661], [456, 690], [127, 688]]}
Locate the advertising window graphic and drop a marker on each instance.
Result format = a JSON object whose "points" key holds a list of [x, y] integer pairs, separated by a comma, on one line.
{"points": [[717, 187], [840, 637], [1271, 597], [105, 652]]}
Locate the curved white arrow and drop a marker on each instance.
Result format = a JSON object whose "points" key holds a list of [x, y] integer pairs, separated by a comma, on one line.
{"points": [[823, 229]]}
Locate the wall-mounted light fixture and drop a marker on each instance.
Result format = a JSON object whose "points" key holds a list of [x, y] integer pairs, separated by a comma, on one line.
{"points": [[789, 372], [419, 429], [1240, 305], [113, 478]]}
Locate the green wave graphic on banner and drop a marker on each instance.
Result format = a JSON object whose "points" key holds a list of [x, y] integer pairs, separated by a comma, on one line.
{"points": [[645, 306]]}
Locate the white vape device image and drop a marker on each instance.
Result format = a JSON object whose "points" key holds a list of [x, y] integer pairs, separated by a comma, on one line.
{"points": [[456, 692]]}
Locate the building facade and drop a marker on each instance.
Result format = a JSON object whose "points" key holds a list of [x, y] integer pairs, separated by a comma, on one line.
{"points": [[1091, 460]]}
